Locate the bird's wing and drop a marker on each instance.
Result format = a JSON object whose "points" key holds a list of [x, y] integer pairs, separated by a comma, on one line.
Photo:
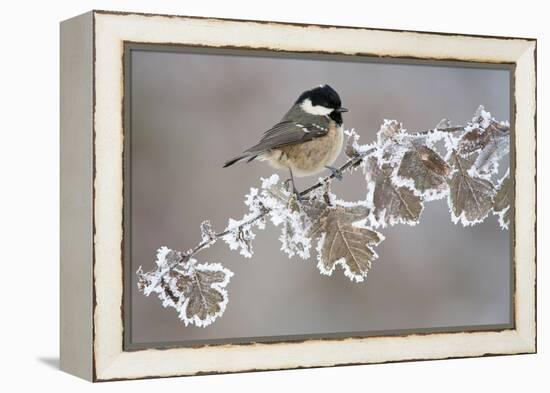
{"points": [[288, 133]]}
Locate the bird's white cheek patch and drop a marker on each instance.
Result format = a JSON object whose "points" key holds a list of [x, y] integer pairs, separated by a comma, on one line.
{"points": [[318, 110]]}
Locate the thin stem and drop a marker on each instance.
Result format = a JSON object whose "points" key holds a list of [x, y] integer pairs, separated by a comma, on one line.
{"points": [[219, 235], [351, 163], [446, 129]]}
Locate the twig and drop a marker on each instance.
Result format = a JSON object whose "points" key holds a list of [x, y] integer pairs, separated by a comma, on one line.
{"points": [[219, 235], [445, 129], [351, 163]]}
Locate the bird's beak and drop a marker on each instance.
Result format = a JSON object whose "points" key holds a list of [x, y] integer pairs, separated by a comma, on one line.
{"points": [[341, 110]]}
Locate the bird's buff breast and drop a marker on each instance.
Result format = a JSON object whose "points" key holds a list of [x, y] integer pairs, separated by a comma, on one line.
{"points": [[309, 158]]}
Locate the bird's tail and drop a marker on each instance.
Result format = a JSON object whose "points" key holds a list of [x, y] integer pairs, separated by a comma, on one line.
{"points": [[234, 160]]}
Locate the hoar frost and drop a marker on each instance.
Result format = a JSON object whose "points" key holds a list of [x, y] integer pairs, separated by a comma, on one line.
{"points": [[402, 171], [502, 200], [196, 290], [283, 210]]}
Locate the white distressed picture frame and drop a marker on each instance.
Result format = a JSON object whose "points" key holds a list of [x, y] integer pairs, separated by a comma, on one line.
{"points": [[92, 141]]}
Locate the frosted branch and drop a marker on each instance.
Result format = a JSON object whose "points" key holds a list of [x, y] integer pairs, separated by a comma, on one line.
{"points": [[402, 170]]}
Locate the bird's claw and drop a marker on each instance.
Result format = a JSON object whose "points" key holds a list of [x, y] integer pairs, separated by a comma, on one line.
{"points": [[335, 172]]}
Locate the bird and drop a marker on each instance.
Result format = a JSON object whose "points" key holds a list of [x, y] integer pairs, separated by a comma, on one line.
{"points": [[308, 138]]}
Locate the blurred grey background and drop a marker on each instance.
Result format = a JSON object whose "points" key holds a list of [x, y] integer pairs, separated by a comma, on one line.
{"points": [[191, 112]]}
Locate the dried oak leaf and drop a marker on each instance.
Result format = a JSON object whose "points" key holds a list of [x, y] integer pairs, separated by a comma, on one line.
{"points": [[491, 143], [426, 170], [501, 201], [390, 203], [343, 241], [470, 198]]}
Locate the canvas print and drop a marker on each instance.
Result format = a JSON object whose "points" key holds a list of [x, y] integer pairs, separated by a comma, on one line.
{"points": [[279, 197]]}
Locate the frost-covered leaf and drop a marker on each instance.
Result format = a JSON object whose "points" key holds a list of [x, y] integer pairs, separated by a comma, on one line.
{"points": [[293, 238], [196, 291], [392, 143], [502, 200], [443, 123], [390, 204], [470, 198], [239, 236], [238, 233], [352, 143], [294, 225], [488, 138], [343, 241], [424, 171], [498, 146], [353, 148], [207, 233], [285, 211], [280, 206], [203, 288], [389, 130], [314, 208]]}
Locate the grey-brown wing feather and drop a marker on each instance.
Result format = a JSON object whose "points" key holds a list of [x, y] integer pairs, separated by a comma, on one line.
{"points": [[288, 133], [295, 127]]}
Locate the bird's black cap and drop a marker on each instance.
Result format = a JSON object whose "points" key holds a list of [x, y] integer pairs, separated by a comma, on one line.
{"points": [[323, 95]]}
